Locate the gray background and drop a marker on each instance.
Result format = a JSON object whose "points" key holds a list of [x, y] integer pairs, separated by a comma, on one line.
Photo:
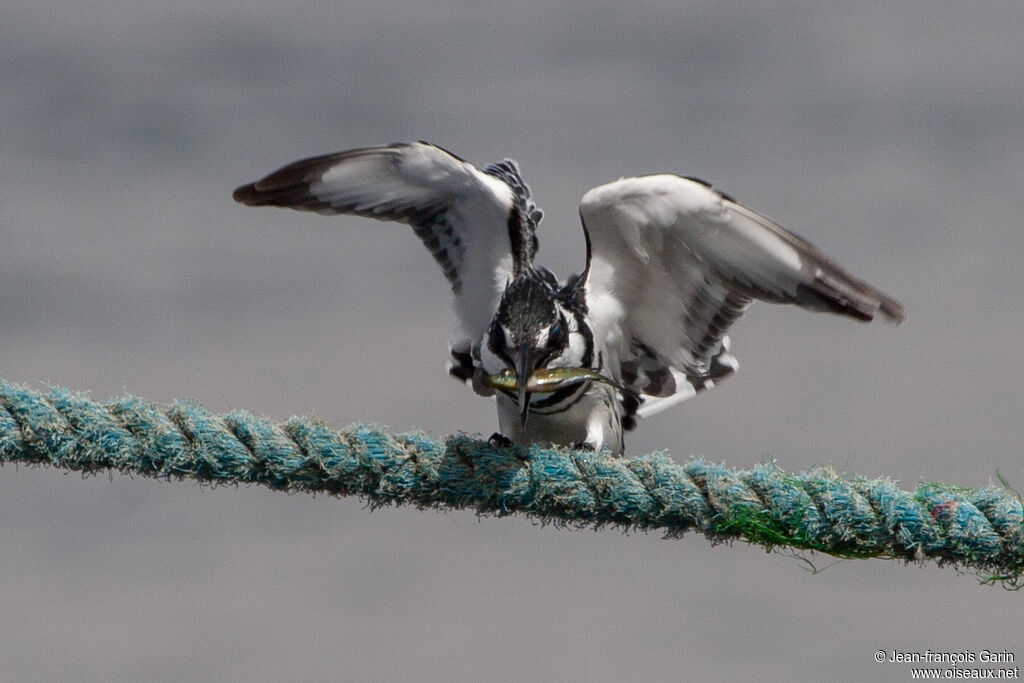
{"points": [[890, 136]]}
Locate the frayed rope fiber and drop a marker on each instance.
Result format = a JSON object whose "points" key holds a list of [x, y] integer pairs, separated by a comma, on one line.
{"points": [[818, 510]]}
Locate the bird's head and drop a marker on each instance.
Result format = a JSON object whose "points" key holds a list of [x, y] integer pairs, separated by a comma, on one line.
{"points": [[529, 331]]}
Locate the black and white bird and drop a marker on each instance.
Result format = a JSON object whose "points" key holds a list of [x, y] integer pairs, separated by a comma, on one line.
{"points": [[671, 263]]}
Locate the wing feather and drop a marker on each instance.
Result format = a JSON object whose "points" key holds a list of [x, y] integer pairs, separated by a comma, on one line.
{"points": [[674, 263], [461, 214]]}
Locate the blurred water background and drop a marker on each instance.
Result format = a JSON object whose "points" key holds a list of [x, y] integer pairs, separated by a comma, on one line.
{"points": [[889, 134]]}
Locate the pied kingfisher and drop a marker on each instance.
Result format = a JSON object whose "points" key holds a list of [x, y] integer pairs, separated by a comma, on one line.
{"points": [[671, 263]]}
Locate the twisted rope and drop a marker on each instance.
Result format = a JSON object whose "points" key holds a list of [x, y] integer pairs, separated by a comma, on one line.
{"points": [[818, 510]]}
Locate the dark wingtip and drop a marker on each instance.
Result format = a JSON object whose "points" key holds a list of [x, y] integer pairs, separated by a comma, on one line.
{"points": [[264, 193], [246, 194], [892, 311], [287, 185]]}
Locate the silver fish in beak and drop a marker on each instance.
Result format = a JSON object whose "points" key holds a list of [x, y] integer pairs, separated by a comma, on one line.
{"points": [[546, 380]]}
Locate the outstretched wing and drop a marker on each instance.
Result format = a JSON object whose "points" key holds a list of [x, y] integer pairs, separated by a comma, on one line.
{"points": [[479, 225], [673, 263]]}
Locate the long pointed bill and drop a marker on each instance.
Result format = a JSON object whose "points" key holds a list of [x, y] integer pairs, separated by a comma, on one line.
{"points": [[524, 368]]}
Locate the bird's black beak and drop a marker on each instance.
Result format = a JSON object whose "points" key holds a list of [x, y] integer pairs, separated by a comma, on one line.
{"points": [[524, 368]]}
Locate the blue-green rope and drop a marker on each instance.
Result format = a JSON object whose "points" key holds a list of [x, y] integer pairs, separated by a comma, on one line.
{"points": [[817, 510]]}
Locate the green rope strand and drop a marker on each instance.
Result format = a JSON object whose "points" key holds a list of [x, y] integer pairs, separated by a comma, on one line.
{"points": [[817, 510]]}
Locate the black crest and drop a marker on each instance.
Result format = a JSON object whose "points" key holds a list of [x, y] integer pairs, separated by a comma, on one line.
{"points": [[527, 304]]}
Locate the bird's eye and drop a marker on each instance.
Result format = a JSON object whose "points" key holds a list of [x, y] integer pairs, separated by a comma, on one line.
{"points": [[555, 335]]}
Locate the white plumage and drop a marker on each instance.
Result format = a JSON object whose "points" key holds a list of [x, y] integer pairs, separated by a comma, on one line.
{"points": [[671, 264]]}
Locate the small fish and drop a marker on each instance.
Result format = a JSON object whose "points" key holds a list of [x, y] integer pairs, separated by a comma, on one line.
{"points": [[546, 380]]}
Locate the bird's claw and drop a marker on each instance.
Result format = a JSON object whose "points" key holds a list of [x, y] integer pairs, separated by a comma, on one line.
{"points": [[499, 440]]}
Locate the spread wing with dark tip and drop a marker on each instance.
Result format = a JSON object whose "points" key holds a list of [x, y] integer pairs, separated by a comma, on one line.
{"points": [[479, 225], [673, 263]]}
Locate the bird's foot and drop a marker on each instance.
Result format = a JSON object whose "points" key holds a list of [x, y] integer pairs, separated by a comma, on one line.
{"points": [[499, 440]]}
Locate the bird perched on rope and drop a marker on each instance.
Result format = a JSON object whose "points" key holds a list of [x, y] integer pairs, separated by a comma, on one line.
{"points": [[671, 263]]}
